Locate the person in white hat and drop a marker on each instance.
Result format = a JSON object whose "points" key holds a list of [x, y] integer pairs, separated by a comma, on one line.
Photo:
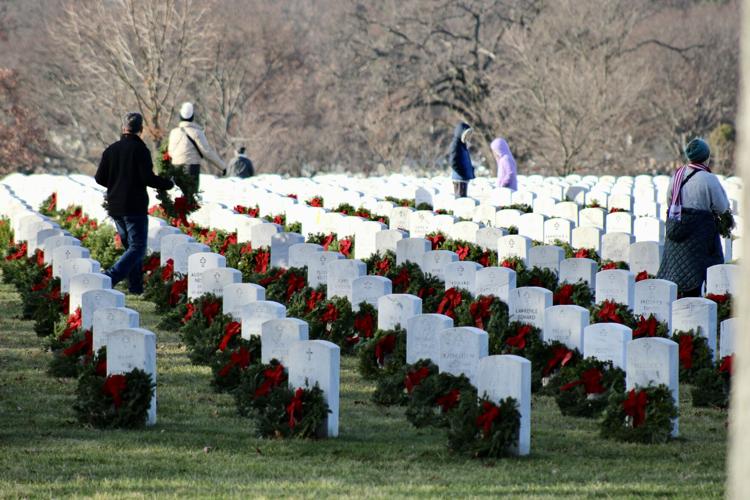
{"points": [[188, 145]]}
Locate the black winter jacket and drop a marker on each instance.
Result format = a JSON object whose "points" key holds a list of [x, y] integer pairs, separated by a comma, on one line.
{"points": [[126, 170]]}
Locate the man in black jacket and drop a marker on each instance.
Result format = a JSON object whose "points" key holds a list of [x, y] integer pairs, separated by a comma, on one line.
{"points": [[126, 170]]}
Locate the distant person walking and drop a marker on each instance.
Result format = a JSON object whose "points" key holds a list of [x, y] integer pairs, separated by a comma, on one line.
{"points": [[460, 160], [506, 164], [240, 166], [188, 145], [126, 170], [692, 242]]}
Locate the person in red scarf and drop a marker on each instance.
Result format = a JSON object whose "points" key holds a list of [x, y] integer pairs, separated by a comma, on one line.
{"points": [[692, 242]]}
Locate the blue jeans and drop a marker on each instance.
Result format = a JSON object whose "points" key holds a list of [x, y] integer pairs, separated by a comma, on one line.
{"points": [[133, 231]]}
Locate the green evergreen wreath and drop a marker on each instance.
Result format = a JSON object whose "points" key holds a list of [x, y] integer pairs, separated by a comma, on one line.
{"points": [[115, 401], [228, 364], [694, 354], [537, 276], [482, 428], [642, 415], [486, 312], [583, 390], [711, 386], [395, 386], [299, 413], [176, 209], [332, 320], [202, 326], [435, 397], [278, 411], [383, 354], [578, 294], [609, 311]]}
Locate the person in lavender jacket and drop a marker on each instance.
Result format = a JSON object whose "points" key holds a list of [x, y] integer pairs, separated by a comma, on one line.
{"points": [[506, 164]]}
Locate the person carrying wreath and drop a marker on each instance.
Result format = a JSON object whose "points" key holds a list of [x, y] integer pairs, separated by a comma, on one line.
{"points": [[696, 200], [126, 170]]}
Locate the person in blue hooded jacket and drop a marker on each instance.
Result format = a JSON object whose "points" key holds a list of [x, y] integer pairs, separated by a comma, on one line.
{"points": [[460, 160]]}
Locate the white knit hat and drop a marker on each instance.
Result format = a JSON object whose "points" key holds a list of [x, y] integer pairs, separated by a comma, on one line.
{"points": [[186, 110]]}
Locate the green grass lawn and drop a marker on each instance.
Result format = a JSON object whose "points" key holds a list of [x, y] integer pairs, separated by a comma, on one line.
{"points": [[200, 447]]}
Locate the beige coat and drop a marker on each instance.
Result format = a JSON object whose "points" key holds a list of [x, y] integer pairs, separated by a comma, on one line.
{"points": [[182, 150]]}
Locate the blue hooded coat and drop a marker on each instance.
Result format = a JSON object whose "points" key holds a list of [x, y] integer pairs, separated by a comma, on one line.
{"points": [[459, 157]]}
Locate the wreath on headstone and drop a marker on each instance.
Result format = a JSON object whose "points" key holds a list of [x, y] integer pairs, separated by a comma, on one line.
{"points": [[486, 312], [263, 394], [383, 354], [694, 354], [113, 401], [396, 386], [609, 311], [332, 320], [725, 223], [482, 428], [203, 327], [179, 208], [435, 397], [537, 276], [364, 324], [291, 282], [650, 327], [233, 356], [578, 294], [723, 305], [583, 390], [711, 386], [641, 415]]}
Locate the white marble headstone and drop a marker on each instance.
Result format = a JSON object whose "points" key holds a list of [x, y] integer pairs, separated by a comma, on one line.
{"points": [[318, 362], [506, 376], [423, 336]]}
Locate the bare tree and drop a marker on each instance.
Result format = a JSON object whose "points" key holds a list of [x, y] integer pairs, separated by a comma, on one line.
{"points": [[124, 55]]}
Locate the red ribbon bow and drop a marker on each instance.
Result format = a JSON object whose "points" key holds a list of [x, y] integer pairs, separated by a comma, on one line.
{"points": [[74, 323], [561, 356], [87, 344], [635, 406], [294, 285], [151, 264], [168, 271], [583, 253], [490, 413], [272, 377], [18, 254], [231, 239], [178, 289], [646, 327], [449, 400], [563, 296], [591, 380], [608, 312], [415, 378], [462, 252], [401, 282], [451, 299], [345, 247], [643, 275], [331, 314], [315, 298], [188, 313], [384, 346], [262, 258], [232, 329], [519, 339], [436, 240], [480, 311], [686, 351], [364, 324], [327, 241], [294, 408], [113, 386], [210, 310], [383, 267], [484, 260], [609, 265], [726, 364], [240, 359], [719, 299]]}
